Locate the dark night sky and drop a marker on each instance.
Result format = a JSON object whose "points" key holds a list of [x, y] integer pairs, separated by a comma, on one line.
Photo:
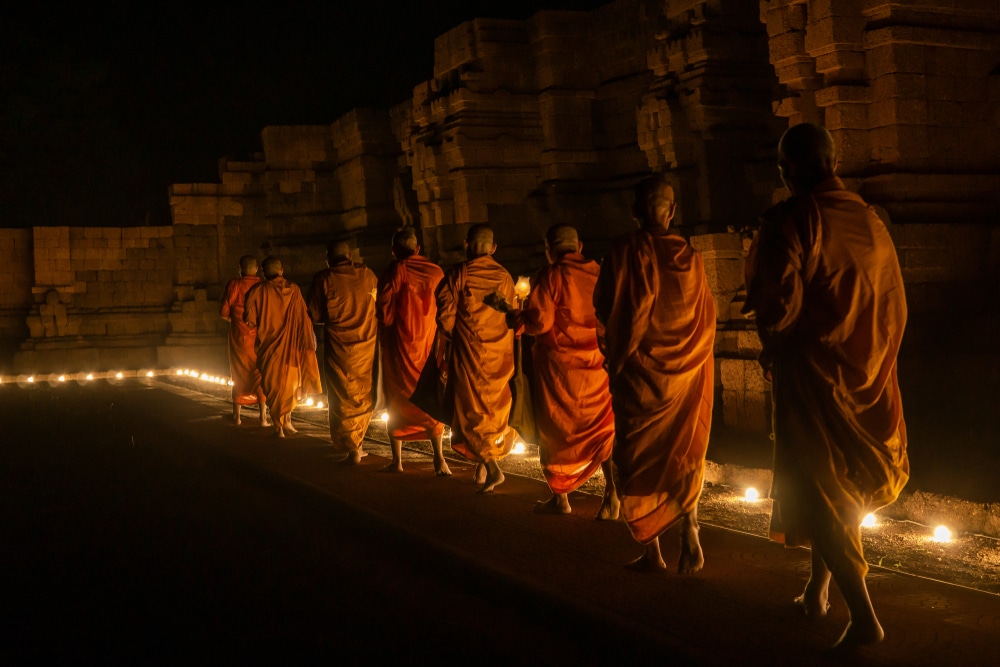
{"points": [[102, 107]]}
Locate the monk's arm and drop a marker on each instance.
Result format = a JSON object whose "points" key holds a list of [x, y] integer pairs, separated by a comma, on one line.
{"points": [[251, 308], [774, 280], [316, 303], [447, 307], [539, 312], [225, 307]]}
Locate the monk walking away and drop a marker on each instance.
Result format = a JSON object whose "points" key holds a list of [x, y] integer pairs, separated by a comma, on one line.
{"points": [[242, 357], [342, 299], [407, 312], [482, 355], [573, 412], [286, 344], [825, 284], [653, 298]]}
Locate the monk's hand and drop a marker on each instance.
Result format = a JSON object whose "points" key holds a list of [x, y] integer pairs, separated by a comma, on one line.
{"points": [[498, 302], [766, 364], [511, 318]]}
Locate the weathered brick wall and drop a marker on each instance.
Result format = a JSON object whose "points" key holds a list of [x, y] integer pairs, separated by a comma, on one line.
{"points": [[16, 256]]}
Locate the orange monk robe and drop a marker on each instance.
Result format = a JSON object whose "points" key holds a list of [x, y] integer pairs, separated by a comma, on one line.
{"points": [[482, 357], [286, 344], [342, 298], [825, 283], [406, 311], [572, 403], [242, 357], [659, 317]]}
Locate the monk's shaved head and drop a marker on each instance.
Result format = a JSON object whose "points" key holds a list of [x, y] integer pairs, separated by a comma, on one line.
{"points": [[338, 250], [248, 265], [272, 267], [561, 239], [807, 156], [404, 243], [654, 201], [479, 240]]}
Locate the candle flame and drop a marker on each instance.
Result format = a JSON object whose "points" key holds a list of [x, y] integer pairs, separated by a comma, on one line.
{"points": [[751, 495], [942, 534], [869, 521]]}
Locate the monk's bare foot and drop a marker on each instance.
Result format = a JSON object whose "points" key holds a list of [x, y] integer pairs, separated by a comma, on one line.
{"points": [[394, 466], [557, 504], [289, 429], [610, 509], [858, 634], [645, 563], [234, 420], [811, 606], [354, 458], [266, 423], [480, 475], [494, 477], [279, 432], [692, 559], [441, 468]]}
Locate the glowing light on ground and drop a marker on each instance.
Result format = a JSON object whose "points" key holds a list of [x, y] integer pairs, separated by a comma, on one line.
{"points": [[230, 383], [203, 376], [90, 376], [385, 417], [149, 374], [751, 495], [180, 372], [942, 534], [119, 375], [519, 447], [31, 378], [309, 403], [319, 404], [869, 521], [62, 378]]}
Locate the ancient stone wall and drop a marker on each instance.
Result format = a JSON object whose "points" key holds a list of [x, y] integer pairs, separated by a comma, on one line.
{"points": [[17, 256]]}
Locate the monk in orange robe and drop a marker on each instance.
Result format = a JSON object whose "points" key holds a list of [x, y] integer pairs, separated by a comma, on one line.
{"points": [[342, 298], [242, 357], [576, 425], [406, 312], [482, 355], [286, 344], [824, 282], [653, 298]]}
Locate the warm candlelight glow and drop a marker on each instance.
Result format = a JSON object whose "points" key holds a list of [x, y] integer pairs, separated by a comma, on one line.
{"points": [[180, 372], [119, 375], [62, 378], [309, 402], [319, 404], [869, 521], [942, 534], [90, 376], [385, 417], [519, 447], [523, 287], [149, 374], [751, 495], [31, 378]]}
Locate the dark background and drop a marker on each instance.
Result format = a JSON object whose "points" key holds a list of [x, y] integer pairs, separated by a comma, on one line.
{"points": [[103, 107]]}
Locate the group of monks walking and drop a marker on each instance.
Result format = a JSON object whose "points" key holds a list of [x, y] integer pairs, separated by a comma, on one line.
{"points": [[623, 365]]}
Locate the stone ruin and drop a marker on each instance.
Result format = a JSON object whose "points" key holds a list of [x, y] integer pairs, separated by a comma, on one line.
{"points": [[554, 119]]}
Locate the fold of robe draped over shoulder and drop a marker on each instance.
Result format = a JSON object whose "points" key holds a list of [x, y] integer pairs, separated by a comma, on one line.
{"points": [[572, 401], [342, 298], [407, 311], [824, 281], [242, 357], [653, 298], [482, 357], [286, 344]]}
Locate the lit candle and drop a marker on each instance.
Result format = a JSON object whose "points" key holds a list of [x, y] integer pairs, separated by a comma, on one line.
{"points": [[119, 375], [523, 287], [751, 495], [869, 521], [62, 378], [942, 534], [385, 417]]}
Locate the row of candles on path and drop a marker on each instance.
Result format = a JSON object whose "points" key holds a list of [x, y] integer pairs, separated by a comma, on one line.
{"points": [[751, 495]]}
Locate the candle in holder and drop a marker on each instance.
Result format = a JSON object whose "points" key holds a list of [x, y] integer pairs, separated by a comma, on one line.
{"points": [[523, 287]]}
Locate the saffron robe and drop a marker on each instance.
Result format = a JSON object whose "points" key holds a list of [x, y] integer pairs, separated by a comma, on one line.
{"points": [[576, 425], [653, 298], [286, 344], [825, 283], [242, 357], [407, 312], [481, 357], [342, 298]]}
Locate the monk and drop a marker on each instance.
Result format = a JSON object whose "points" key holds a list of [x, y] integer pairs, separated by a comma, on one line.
{"points": [[824, 282], [286, 344], [576, 425], [482, 355], [406, 312], [653, 298], [342, 299], [242, 357]]}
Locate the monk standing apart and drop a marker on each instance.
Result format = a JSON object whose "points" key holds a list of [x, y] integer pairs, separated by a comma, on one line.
{"points": [[242, 357], [824, 281], [573, 412], [482, 355], [406, 311], [286, 344], [653, 298], [342, 298]]}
